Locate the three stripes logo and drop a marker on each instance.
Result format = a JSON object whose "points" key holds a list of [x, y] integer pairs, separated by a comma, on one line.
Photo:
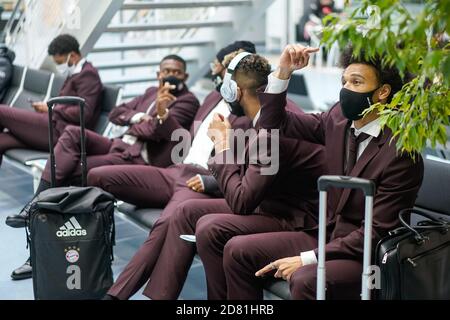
{"points": [[71, 229]]}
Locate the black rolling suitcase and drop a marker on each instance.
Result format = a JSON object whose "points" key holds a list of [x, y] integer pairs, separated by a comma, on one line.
{"points": [[415, 261], [71, 233]]}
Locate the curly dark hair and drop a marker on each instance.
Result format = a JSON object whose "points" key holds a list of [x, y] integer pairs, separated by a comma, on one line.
{"points": [[251, 72], [63, 44], [385, 74]]}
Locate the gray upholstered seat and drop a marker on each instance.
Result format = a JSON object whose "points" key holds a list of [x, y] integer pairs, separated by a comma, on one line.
{"points": [[434, 194], [109, 101], [144, 217], [15, 84], [57, 84], [35, 87], [24, 155]]}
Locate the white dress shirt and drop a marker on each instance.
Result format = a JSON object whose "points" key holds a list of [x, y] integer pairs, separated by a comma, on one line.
{"points": [[373, 129], [79, 66], [202, 145]]}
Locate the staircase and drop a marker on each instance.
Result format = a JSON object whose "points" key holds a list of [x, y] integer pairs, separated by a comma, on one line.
{"points": [[127, 39], [142, 32]]}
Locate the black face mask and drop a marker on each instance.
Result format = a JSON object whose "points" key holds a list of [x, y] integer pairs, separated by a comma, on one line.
{"points": [[179, 84], [354, 103], [217, 82], [236, 109]]}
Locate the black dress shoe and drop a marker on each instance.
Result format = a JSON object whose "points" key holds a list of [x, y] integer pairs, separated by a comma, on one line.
{"points": [[17, 220], [23, 272]]}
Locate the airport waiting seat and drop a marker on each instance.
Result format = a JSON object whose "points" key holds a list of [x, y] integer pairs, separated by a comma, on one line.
{"points": [[16, 81], [109, 100], [143, 217], [57, 84], [433, 198], [35, 88]]}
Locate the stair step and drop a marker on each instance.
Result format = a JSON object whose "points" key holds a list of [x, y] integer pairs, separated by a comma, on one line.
{"points": [[127, 80], [154, 45], [132, 64], [167, 25], [135, 5]]}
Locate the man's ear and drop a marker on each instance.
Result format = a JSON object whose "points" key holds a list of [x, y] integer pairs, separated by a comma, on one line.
{"points": [[239, 94], [384, 92], [72, 58], [186, 76]]}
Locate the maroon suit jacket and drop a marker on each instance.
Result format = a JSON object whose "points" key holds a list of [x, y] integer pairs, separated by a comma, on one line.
{"points": [[85, 84], [208, 105], [156, 135], [290, 194], [396, 176]]}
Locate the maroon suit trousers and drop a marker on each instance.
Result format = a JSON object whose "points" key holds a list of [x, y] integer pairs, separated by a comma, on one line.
{"points": [[98, 150], [244, 255], [150, 187], [26, 129]]}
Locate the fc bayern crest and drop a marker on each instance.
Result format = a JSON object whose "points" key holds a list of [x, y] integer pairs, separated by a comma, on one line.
{"points": [[72, 256]]}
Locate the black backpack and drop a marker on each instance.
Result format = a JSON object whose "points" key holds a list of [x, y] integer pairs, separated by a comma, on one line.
{"points": [[71, 237], [71, 232], [6, 69]]}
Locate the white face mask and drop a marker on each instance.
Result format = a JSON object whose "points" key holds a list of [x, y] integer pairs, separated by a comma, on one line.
{"points": [[64, 69]]}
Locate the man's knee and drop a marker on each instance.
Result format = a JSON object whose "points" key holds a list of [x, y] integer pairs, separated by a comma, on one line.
{"points": [[236, 251], [72, 132], [185, 210], [98, 177], [210, 231], [303, 283]]}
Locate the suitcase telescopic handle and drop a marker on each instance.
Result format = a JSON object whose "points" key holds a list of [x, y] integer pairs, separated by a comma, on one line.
{"points": [[368, 187], [67, 100]]}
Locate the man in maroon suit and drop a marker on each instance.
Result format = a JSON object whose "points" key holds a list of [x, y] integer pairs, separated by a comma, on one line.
{"points": [[249, 187], [151, 186], [151, 118], [29, 129], [355, 146]]}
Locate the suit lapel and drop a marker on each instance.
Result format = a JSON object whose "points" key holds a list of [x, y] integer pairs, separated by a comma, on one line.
{"points": [[336, 151], [369, 153], [147, 102]]}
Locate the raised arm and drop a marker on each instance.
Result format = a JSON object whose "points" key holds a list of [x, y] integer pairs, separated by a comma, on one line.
{"points": [[180, 114], [309, 127]]}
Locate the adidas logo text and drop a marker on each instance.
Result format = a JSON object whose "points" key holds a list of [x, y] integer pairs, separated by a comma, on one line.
{"points": [[71, 229]]}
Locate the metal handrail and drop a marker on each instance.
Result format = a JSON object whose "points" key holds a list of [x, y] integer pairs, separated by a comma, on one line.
{"points": [[7, 31]]}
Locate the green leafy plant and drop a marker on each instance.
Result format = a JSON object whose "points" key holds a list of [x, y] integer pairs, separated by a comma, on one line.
{"points": [[420, 112]]}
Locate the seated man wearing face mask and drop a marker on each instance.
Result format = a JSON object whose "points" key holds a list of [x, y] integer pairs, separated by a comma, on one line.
{"points": [[29, 128], [146, 142], [357, 146]]}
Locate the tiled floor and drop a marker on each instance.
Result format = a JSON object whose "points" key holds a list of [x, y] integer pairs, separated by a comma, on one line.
{"points": [[15, 191]]}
